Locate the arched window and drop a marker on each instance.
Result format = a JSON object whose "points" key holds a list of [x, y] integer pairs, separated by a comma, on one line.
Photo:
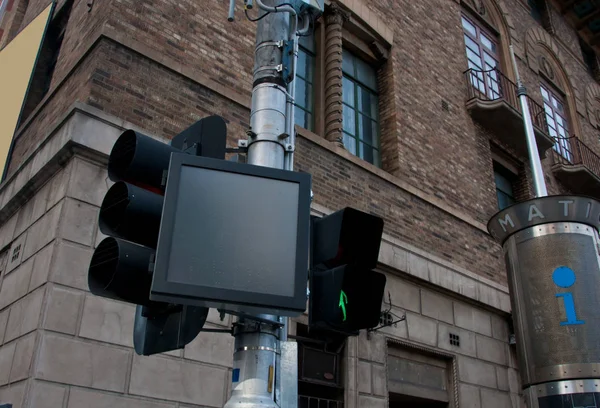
{"points": [[483, 57], [556, 117]]}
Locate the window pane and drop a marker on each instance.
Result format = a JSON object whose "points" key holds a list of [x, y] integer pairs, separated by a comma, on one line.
{"points": [[489, 59], [300, 118], [365, 130], [559, 120], [367, 102], [310, 68], [469, 27], [367, 153], [301, 93], [545, 94], [350, 143], [504, 200], [348, 91], [301, 67], [308, 43], [474, 57], [349, 120], [471, 44], [347, 63], [488, 43], [366, 74], [374, 107], [503, 184], [375, 133], [474, 65]]}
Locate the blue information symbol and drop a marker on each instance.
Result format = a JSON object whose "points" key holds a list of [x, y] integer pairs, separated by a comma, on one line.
{"points": [[564, 277]]}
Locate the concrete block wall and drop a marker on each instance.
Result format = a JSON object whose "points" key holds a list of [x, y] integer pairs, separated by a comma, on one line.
{"points": [[487, 374], [60, 346]]}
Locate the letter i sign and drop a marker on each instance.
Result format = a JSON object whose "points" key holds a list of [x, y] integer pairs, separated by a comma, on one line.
{"points": [[564, 277]]}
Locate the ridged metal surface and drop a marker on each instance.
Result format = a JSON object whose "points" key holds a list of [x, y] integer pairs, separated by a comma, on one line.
{"points": [[548, 350]]}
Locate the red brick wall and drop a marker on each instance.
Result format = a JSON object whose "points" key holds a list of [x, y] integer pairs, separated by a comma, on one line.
{"points": [[442, 153]]}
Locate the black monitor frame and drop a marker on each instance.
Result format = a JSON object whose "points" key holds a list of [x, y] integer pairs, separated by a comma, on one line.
{"points": [[222, 298]]}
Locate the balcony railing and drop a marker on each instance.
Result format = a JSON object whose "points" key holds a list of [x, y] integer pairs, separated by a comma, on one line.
{"points": [[577, 166], [571, 151], [312, 402], [493, 85]]}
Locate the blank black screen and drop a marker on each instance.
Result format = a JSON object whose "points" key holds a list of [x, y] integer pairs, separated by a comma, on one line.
{"points": [[239, 232]]}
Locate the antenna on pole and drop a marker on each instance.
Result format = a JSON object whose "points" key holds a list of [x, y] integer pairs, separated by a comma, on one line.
{"points": [[539, 184]]}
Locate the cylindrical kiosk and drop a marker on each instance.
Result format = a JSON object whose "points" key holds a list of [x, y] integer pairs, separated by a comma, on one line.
{"points": [[551, 248]]}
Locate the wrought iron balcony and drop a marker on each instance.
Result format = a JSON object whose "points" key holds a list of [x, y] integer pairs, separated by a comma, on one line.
{"points": [[492, 100], [577, 166]]}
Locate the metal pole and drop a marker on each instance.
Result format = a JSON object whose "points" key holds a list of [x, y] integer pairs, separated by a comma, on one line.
{"points": [[539, 184], [257, 338]]}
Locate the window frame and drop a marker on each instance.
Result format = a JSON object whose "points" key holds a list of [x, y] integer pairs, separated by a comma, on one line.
{"points": [[313, 55], [508, 176], [356, 83], [561, 143], [482, 32]]}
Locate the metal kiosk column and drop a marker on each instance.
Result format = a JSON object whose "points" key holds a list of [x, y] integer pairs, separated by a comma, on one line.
{"points": [[551, 249]]}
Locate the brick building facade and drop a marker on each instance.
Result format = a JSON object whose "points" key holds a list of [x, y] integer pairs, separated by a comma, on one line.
{"points": [[445, 149]]}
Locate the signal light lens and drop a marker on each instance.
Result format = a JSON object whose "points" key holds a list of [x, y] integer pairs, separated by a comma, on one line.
{"points": [[131, 213], [120, 270]]}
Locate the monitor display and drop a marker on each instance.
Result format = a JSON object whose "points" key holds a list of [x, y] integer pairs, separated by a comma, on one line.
{"points": [[241, 229], [233, 236]]}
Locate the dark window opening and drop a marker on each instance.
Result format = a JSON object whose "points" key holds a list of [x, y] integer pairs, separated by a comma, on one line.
{"points": [[540, 13], [401, 401], [589, 57], [504, 180], [47, 59]]}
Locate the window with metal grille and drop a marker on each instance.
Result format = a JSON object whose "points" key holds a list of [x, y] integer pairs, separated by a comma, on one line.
{"points": [[361, 108]]}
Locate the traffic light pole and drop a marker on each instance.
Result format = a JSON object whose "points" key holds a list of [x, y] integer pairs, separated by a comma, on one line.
{"points": [[259, 339]]}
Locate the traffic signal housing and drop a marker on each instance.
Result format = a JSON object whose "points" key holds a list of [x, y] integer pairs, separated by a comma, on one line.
{"points": [[130, 215], [122, 265], [345, 293]]}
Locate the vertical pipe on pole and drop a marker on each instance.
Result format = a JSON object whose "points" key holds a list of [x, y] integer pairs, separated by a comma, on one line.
{"points": [[539, 184], [257, 342]]}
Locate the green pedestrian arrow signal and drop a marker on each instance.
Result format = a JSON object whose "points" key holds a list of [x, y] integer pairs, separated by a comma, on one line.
{"points": [[343, 303]]}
